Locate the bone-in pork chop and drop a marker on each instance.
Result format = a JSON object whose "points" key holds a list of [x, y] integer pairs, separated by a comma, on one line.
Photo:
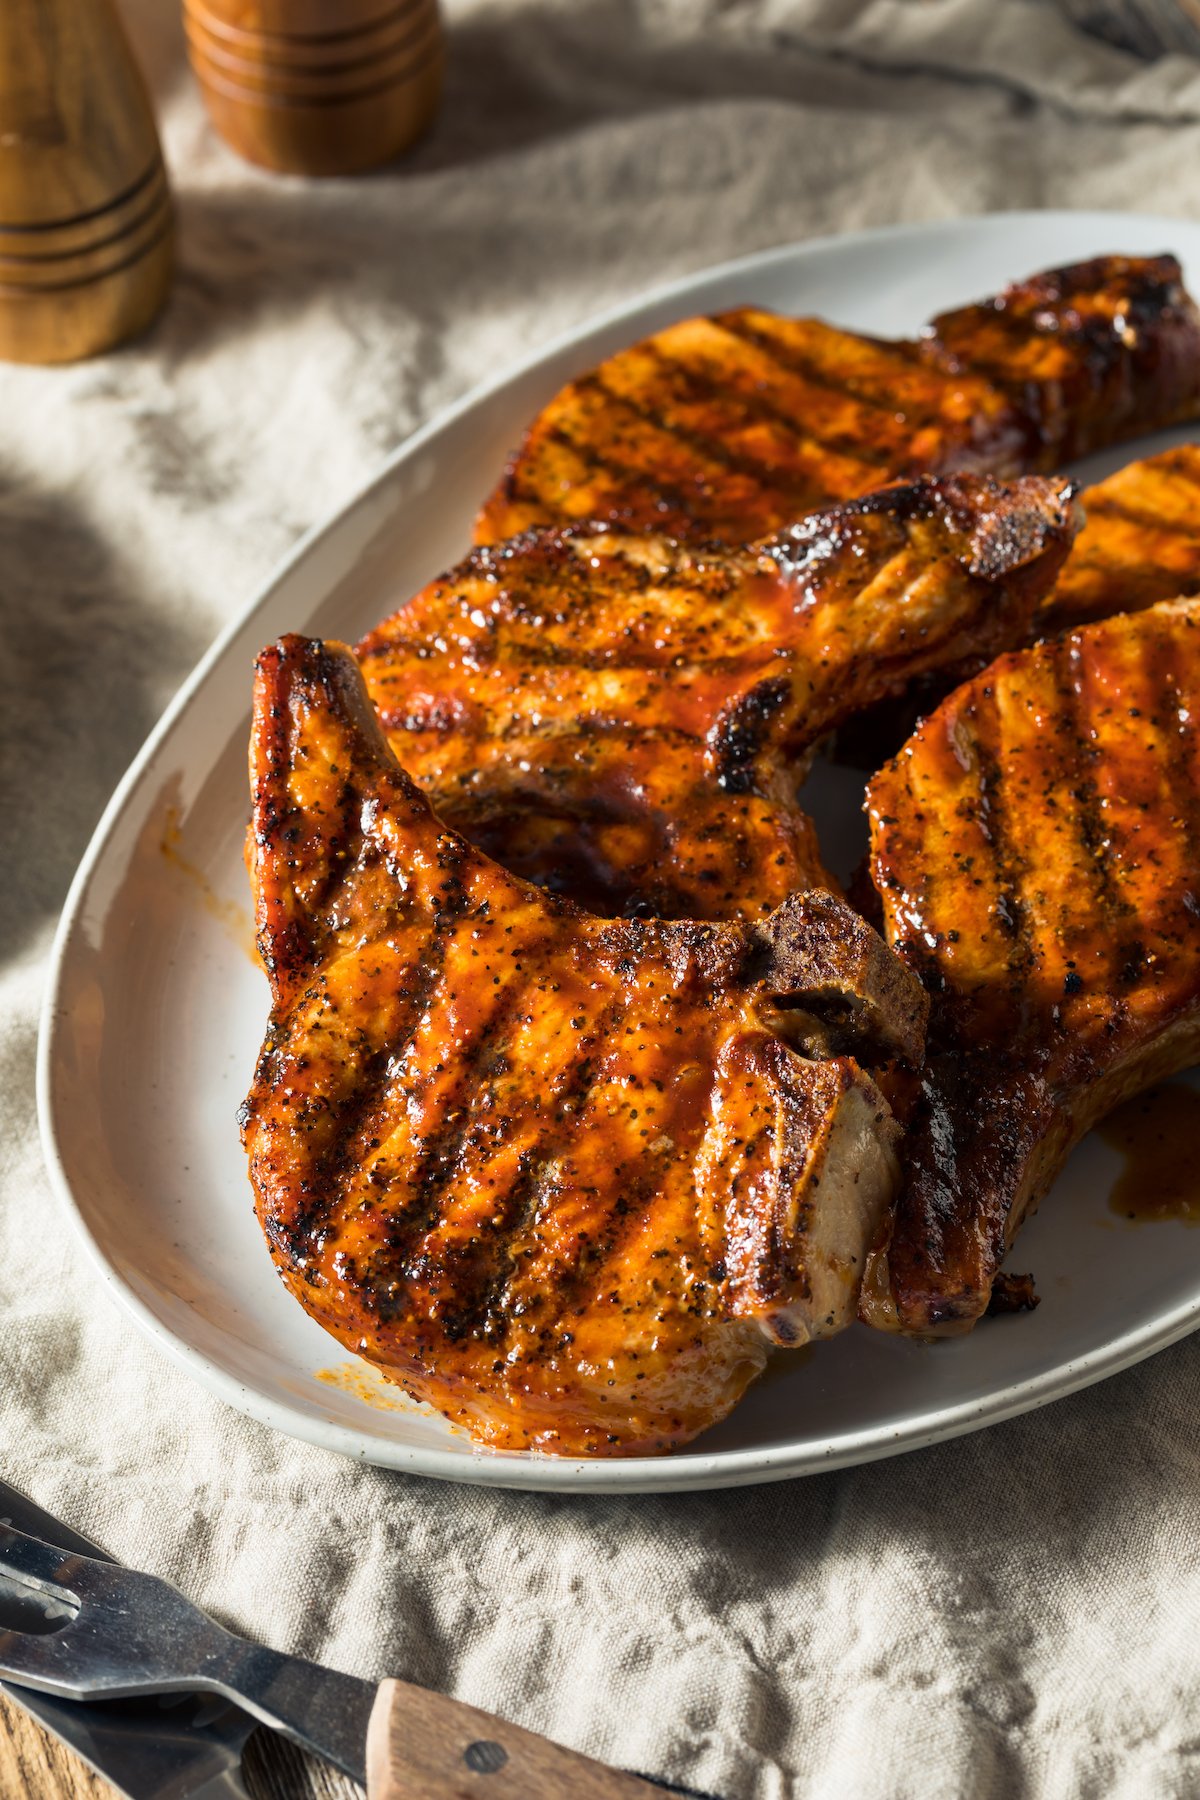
{"points": [[734, 426], [1036, 845], [565, 1178], [1140, 543], [625, 720]]}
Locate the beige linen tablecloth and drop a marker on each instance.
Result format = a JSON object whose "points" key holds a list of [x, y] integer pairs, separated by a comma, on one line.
{"points": [[1014, 1613]]}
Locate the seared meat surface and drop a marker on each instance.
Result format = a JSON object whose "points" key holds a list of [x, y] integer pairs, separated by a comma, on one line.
{"points": [[625, 720], [732, 427], [565, 1178], [1140, 543], [1036, 846]]}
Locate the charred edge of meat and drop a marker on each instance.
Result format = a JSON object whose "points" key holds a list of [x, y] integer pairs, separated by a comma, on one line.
{"points": [[1013, 1293], [1129, 328], [1159, 273], [1013, 533], [835, 988], [740, 735], [1153, 292], [1007, 526]]}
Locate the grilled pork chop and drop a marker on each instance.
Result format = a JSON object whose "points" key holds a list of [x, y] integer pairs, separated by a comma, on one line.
{"points": [[565, 1178], [1140, 543], [1036, 845], [625, 720], [734, 426]]}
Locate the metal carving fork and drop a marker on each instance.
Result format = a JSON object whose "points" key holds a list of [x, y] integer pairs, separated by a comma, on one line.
{"points": [[89, 1630], [160, 1747]]}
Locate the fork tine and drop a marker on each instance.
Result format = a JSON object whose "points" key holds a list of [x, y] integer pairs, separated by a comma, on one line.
{"points": [[30, 1557], [108, 1632], [54, 1656]]}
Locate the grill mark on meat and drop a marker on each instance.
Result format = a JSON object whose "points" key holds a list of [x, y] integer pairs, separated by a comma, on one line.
{"points": [[1181, 461], [533, 655], [553, 656], [1094, 829], [753, 468], [1162, 669], [353, 1114], [517, 484], [481, 1297], [1109, 506], [1140, 543], [483, 1312], [1012, 870], [620, 473], [791, 359], [591, 1274], [617, 1225], [1013, 325], [756, 407], [319, 901], [556, 779], [443, 1154]]}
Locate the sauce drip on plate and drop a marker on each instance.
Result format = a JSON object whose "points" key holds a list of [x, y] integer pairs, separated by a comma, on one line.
{"points": [[233, 916], [1158, 1133]]}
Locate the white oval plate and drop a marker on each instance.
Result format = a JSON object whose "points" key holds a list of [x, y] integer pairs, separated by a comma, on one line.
{"points": [[155, 1008]]}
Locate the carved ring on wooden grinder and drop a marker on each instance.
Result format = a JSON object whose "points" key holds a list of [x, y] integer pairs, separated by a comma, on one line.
{"points": [[317, 87], [85, 212]]}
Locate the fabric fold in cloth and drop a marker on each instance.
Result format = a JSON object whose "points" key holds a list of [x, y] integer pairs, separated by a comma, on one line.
{"points": [[1007, 1615], [1025, 47]]}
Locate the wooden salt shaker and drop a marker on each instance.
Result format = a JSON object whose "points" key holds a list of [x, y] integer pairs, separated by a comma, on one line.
{"points": [[317, 87], [85, 212]]}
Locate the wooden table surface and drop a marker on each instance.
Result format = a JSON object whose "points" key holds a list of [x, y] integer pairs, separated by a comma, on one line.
{"points": [[35, 1766]]}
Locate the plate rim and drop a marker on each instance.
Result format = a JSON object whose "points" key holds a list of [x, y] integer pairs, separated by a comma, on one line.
{"points": [[533, 1472]]}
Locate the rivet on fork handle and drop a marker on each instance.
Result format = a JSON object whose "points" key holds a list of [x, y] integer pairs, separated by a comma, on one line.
{"points": [[424, 1746]]}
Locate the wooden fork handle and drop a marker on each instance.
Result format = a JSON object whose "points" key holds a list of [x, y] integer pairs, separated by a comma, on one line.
{"points": [[423, 1746]]}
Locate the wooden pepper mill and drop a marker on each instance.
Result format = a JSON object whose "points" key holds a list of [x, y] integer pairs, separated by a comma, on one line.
{"points": [[85, 212], [317, 87]]}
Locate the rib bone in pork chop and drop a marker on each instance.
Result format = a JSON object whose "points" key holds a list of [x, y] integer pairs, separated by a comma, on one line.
{"points": [[626, 720], [731, 427], [1037, 848], [565, 1178]]}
